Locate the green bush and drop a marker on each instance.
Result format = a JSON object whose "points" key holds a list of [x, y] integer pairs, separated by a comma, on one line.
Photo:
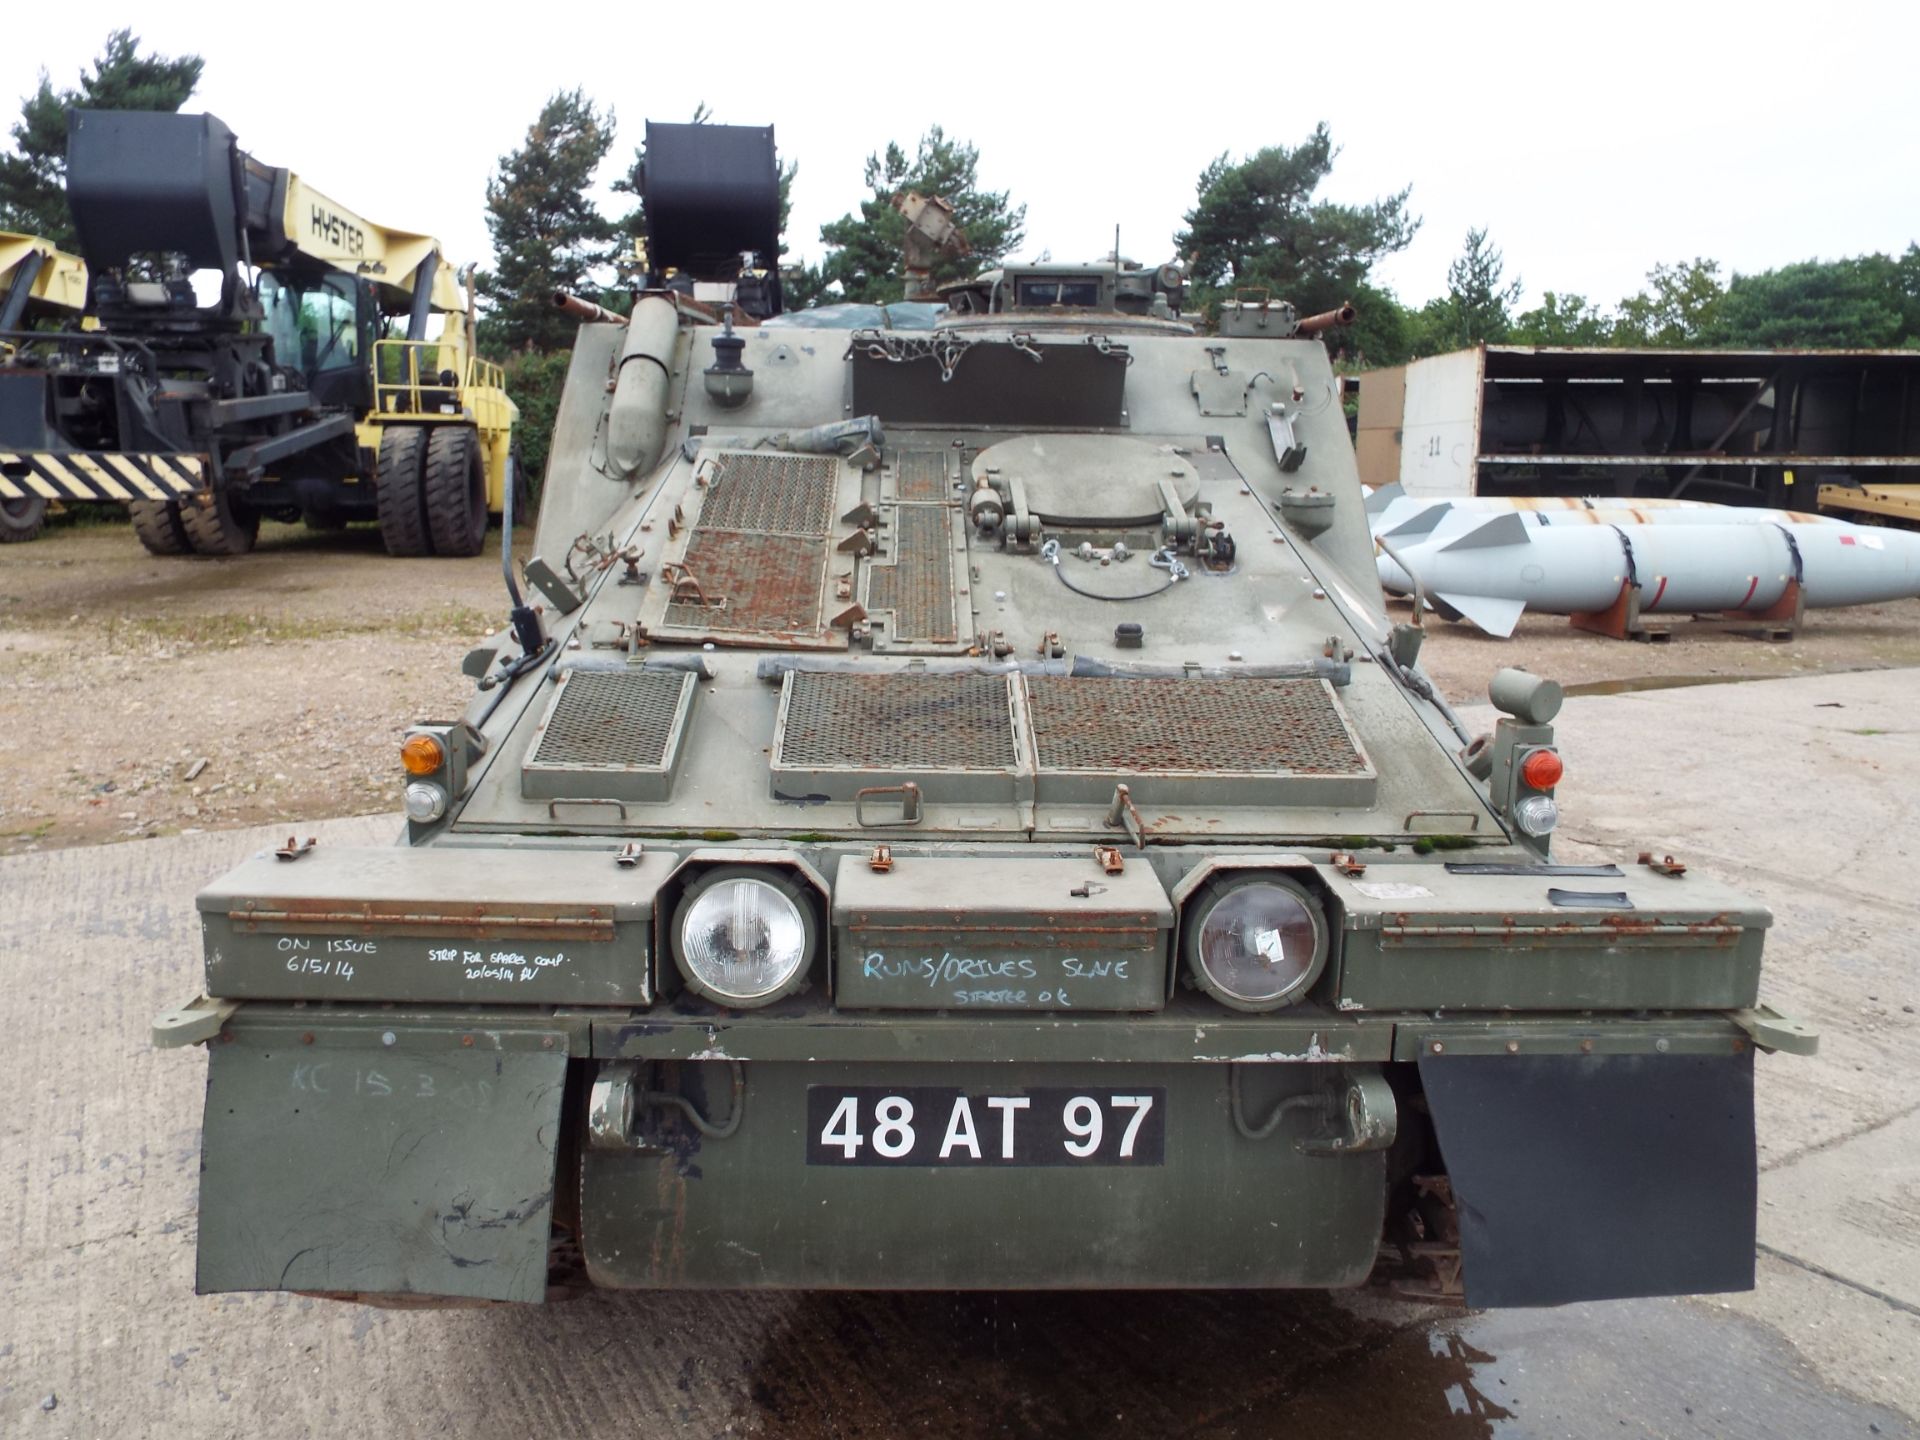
{"points": [[534, 382]]}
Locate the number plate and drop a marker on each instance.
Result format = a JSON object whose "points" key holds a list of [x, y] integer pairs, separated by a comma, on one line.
{"points": [[942, 1125]]}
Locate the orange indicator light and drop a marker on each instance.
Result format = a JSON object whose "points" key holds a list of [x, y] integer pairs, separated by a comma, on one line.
{"points": [[422, 754]]}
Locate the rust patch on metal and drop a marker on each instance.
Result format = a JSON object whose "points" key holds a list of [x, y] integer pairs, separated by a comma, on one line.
{"points": [[753, 584], [1191, 726], [921, 475]]}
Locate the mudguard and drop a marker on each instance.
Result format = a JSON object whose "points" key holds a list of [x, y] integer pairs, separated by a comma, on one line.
{"points": [[1595, 1177], [378, 1169]]}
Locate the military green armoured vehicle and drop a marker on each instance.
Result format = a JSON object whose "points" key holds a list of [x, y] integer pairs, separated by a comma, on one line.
{"points": [[952, 810]]}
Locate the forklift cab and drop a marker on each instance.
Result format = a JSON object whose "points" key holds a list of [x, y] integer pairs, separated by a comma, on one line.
{"points": [[323, 326]]}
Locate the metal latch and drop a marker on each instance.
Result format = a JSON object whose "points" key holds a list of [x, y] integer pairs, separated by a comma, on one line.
{"points": [[293, 850]]}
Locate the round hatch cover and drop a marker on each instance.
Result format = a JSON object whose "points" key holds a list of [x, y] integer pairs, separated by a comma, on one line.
{"points": [[1091, 481]]}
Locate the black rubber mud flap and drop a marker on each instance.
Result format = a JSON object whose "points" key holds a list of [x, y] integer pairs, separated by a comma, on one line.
{"points": [[378, 1170], [1596, 1177]]}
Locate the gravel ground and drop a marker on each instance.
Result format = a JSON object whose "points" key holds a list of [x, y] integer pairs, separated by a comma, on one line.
{"points": [[291, 672]]}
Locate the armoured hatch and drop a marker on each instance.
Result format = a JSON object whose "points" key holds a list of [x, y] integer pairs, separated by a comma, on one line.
{"points": [[1091, 482]]}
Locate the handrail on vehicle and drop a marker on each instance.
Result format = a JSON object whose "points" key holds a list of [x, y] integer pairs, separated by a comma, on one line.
{"points": [[406, 380]]}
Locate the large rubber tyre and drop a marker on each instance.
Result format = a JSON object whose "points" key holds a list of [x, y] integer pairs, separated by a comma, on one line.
{"points": [[218, 524], [398, 486], [20, 520], [456, 491], [157, 523]]}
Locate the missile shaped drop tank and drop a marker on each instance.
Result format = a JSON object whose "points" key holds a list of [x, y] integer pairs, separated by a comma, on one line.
{"points": [[1493, 573]]}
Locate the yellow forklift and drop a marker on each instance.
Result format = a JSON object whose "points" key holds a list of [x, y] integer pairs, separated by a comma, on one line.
{"points": [[40, 284], [261, 350]]}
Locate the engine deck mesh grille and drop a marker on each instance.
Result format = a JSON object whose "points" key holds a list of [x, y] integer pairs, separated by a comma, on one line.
{"points": [[615, 720], [896, 723], [1190, 726], [922, 475], [918, 586], [772, 494]]}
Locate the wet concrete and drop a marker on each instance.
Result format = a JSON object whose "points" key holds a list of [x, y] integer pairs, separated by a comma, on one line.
{"points": [[1205, 1366]]}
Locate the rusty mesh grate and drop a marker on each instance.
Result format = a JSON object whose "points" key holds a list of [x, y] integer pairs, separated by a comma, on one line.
{"points": [[1195, 727], [618, 720], [752, 584], [922, 475], [775, 494], [918, 586], [895, 722]]}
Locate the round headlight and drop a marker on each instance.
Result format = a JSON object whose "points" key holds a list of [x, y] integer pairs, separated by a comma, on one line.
{"points": [[1256, 941], [743, 937], [1537, 814], [424, 803]]}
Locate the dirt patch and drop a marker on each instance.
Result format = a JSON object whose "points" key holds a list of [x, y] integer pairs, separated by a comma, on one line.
{"points": [[292, 671], [289, 672]]}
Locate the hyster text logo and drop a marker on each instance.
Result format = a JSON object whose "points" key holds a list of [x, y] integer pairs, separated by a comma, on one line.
{"points": [[338, 233]]}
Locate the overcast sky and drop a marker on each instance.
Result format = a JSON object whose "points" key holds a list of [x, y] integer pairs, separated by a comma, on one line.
{"points": [[1591, 141]]}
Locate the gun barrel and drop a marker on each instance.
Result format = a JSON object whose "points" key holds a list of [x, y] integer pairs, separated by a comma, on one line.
{"points": [[585, 309], [1327, 320]]}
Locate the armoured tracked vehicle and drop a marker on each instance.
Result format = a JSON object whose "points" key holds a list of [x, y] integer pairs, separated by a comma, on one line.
{"points": [[951, 810]]}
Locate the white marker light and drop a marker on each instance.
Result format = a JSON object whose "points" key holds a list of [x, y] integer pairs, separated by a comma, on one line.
{"points": [[424, 803], [1537, 814]]}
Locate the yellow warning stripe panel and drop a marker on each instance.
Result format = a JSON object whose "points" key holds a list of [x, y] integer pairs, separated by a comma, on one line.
{"points": [[98, 477], [110, 488], [26, 486], [183, 480], [141, 481], [50, 467]]}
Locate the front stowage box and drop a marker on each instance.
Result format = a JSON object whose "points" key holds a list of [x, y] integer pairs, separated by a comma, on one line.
{"points": [[434, 924], [943, 933], [1456, 937]]}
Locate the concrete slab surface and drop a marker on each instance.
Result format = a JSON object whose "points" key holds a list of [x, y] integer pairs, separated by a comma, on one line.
{"points": [[1801, 790]]}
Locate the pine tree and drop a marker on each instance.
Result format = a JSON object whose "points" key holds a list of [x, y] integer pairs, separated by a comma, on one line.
{"points": [[33, 190], [866, 256], [1257, 223], [1479, 301], [547, 233]]}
